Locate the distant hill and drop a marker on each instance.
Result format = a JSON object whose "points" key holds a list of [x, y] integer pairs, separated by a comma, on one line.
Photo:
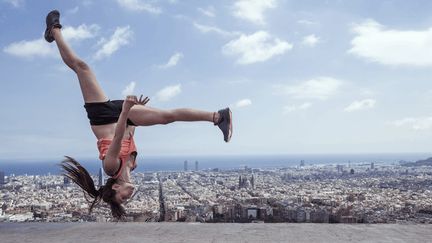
{"points": [[424, 162]]}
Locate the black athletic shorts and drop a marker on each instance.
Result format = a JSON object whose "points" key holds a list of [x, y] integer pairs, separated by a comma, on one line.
{"points": [[102, 113]]}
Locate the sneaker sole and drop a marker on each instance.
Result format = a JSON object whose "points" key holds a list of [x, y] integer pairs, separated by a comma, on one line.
{"points": [[230, 126]]}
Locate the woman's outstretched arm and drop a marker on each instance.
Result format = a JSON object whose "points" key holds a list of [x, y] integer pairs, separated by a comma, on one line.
{"points": [[115, 146]]}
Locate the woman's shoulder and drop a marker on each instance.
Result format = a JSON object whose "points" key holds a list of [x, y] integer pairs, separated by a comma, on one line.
{"points": [[110, 168]]}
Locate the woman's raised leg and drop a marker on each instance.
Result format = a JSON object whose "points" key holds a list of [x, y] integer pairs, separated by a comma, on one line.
{"points": [[90, 88], [149, 116]]}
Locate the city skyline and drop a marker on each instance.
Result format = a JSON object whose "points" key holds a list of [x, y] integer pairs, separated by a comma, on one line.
{"points": [[301, 77], [359, 193]]}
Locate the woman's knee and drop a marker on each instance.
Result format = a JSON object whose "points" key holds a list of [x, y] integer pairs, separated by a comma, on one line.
{"points": [[168, 117], [80, 65]]}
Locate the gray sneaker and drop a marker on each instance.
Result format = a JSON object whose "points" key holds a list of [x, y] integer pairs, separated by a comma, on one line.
{"points": [[52, 21], [225, 123]]}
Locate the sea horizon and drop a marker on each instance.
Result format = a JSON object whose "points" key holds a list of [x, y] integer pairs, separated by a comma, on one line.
{"points": [[156, 163]]}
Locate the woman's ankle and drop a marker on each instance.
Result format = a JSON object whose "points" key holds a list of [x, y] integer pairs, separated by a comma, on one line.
{"points": [[216, 118], [55, 31]]}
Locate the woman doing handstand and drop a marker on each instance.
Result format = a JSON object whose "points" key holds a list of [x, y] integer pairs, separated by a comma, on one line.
{"points": [[113, 123]]}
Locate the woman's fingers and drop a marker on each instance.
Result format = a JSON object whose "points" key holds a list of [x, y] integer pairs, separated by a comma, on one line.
{"points": [[140, 101], [146, 100], [143, 101], [131, 98]]}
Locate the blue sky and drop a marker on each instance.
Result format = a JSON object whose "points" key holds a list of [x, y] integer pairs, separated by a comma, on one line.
{"points": [[300, 76]]}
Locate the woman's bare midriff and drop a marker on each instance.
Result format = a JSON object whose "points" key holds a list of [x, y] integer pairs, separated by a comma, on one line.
{"points": [[108, 131]]}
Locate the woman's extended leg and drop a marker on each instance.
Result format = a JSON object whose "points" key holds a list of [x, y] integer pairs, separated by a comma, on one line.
{"points": [[148, 116], [90, 88]]}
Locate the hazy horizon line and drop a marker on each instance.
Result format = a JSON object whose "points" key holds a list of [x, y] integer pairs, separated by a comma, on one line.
{"points": [[38, 159]]}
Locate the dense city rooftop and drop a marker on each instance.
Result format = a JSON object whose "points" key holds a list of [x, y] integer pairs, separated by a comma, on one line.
{"points": [[358, 193]]}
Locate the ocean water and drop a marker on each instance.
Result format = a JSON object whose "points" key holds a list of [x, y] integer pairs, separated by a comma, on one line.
{"points": [[176, 163]]}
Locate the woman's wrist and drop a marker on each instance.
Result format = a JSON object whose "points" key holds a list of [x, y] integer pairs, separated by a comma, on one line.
{"points": [[126, 108]]}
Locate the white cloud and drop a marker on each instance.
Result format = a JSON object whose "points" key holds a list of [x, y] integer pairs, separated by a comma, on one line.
{"points": [[252, 10], [41, 48], [209, 11], [129, 89], [15, 3], [257, 47], [243, 103], [306, 22], [30, 49], [292, 108], [87, 3], [361, 105], [377, 43], [368, 92], [121, 37], [81, 32], [318, 88], [207, 29], [139, 6], [174, 59], [73, 10], [168, 92], [310, 40], [423, 123]]}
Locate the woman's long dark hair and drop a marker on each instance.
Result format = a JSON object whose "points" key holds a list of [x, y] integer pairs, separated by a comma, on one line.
{"points": [[78, 174]]}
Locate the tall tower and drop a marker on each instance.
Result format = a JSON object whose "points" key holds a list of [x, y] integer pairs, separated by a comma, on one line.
{"points": [[372, 165], [66, 181], [2, 177], [185, 165], [101, 177], [196, 165], [302, 163]]}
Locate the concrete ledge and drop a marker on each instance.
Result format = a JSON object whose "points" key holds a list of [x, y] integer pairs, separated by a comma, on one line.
{"points": [[196, 232]]}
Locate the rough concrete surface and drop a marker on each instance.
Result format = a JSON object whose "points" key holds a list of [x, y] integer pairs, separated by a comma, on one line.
{"points": [[197, 232]]}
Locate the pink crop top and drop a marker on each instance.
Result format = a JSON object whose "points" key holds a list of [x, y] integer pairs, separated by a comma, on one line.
{"points": [[127, 148]]}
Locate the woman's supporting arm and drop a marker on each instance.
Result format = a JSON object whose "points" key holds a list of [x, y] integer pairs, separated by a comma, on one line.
{"points": [[115, 146]]}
